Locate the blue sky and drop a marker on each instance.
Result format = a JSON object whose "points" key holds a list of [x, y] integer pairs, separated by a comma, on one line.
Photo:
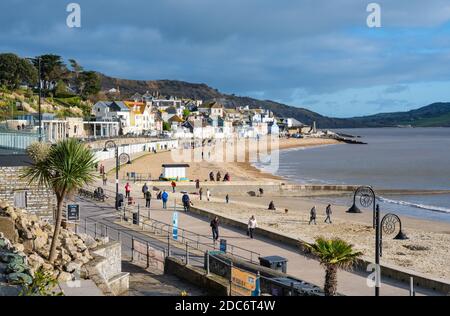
{"points": [[316, 54]]}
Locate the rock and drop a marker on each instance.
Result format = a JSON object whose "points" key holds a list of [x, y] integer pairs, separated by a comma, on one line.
{"points": [[17, 278], [73, 266], [10, 290], [64, 277], [47, 266], [3, 205], [18, 248]]}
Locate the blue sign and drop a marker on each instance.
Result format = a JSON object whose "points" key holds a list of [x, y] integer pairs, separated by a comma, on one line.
{"points": [[175, 225], [223, 245]]}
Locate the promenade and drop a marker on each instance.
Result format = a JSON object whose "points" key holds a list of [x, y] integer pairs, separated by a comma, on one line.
{"points": [[300, 266]]}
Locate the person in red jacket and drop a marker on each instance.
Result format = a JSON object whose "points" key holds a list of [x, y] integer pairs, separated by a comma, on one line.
{"points": [[174, 185], [127, 190]]}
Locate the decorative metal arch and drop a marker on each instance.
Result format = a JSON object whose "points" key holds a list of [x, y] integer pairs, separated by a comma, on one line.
{"points": [[124, 158], [388, 226], [366, 197], [110, 144]]}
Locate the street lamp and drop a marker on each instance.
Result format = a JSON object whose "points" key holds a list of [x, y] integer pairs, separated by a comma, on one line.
{"points": [[122, 157], [367, 198], [40, 95]]}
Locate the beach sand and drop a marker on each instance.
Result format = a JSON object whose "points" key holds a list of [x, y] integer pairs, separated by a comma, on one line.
{"points": [[425, 251]]}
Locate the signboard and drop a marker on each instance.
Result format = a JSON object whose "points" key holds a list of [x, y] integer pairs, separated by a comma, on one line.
{"points": [[73, 212], [242, 283], [175, 225], [223, 245]]}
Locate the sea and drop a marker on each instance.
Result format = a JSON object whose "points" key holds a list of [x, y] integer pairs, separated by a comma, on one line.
{"points": [[394, 158]]}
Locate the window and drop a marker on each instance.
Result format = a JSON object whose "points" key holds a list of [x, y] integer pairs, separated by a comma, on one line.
{"points": [[20, 199]]}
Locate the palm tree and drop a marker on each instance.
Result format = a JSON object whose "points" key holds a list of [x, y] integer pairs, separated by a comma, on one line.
{"points": [[65, 167], [333, 254]]}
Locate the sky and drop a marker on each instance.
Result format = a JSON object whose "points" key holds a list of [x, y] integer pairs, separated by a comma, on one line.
{"points": [[316, 54]]}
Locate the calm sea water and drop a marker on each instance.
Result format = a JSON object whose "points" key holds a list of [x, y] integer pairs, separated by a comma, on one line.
{"points": [[395, 158]]}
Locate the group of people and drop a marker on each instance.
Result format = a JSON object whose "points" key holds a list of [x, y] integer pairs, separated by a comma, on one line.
{"points": [[214, 224], [208, 194], [218, 176], [313, 215]]}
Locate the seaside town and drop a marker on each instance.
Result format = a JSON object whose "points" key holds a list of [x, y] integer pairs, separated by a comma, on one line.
{"points": [[222, 162], [139, 204]]}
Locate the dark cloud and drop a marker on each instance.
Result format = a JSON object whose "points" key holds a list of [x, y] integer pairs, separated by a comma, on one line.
{"points": [[288, 50]]}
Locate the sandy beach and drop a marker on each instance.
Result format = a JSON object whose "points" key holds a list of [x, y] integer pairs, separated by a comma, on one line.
{"points": [[425, 251]]}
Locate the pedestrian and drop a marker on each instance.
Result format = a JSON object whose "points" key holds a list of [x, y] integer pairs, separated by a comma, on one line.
{"points": [[252, 224], [148, 198], [159, 195], [164, 197], [197, 184], [200, 193], [186, 202], [174, 185], [127, 190], [215, 228], [219, 176], [227, 199], [208, 195], [272, 206], [105, 179], [261, 192], [328, 212], [211, 176], [144, 189], [226, 177], [312, 217]]}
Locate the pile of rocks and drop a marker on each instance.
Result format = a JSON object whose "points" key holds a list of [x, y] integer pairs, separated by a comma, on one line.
{"points": [[14, 269], [32, 242]]}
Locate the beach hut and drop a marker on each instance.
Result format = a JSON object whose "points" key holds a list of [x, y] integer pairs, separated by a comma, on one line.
{"points": [[174, 172]]}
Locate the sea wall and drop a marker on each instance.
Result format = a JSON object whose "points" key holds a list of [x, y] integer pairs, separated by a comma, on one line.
{"points": [[213, 284]]}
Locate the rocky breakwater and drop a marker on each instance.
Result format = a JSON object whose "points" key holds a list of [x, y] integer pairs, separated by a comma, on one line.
{"points": [[25, 242]]}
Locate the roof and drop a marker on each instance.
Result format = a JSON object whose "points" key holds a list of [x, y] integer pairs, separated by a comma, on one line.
{"points": [[118, 106], [217, 105], [176, 118], [175, 166], [140, 107]]}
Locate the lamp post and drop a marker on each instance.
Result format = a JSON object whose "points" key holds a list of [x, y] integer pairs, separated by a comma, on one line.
{"points": [[367, 198], [110, 144], [40, 95]]}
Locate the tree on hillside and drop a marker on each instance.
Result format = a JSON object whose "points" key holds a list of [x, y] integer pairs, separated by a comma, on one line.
{"points": [[15, 70], [76, 67], [333, 254], [89, 84], [52, 70], [65, 168]]}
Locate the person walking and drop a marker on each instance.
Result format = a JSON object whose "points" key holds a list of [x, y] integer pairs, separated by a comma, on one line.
{"points": [[105, 179], [211, 176], [144, 189], [186, 202], [328, 212], [215, 228], [313, 215], [127, 190], [174, 185], [165, 197], [148, 198], [208, 195], [261, 192], [197, 184], [200, 193], [219, 176], [252, 224], [227, 199]]}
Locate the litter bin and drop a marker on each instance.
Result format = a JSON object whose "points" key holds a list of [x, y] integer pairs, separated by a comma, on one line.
{"points": [[274, 262], [136, 218], [119, 200]]}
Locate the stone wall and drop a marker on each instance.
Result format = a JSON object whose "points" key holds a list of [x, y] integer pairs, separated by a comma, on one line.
{"points": [[39, 201]]}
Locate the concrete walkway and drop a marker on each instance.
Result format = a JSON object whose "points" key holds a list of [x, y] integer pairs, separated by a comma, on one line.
{"points": [[349, 283]]}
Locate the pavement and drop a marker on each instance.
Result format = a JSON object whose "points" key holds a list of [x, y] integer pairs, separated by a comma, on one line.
{"points": [[349, 282]]}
